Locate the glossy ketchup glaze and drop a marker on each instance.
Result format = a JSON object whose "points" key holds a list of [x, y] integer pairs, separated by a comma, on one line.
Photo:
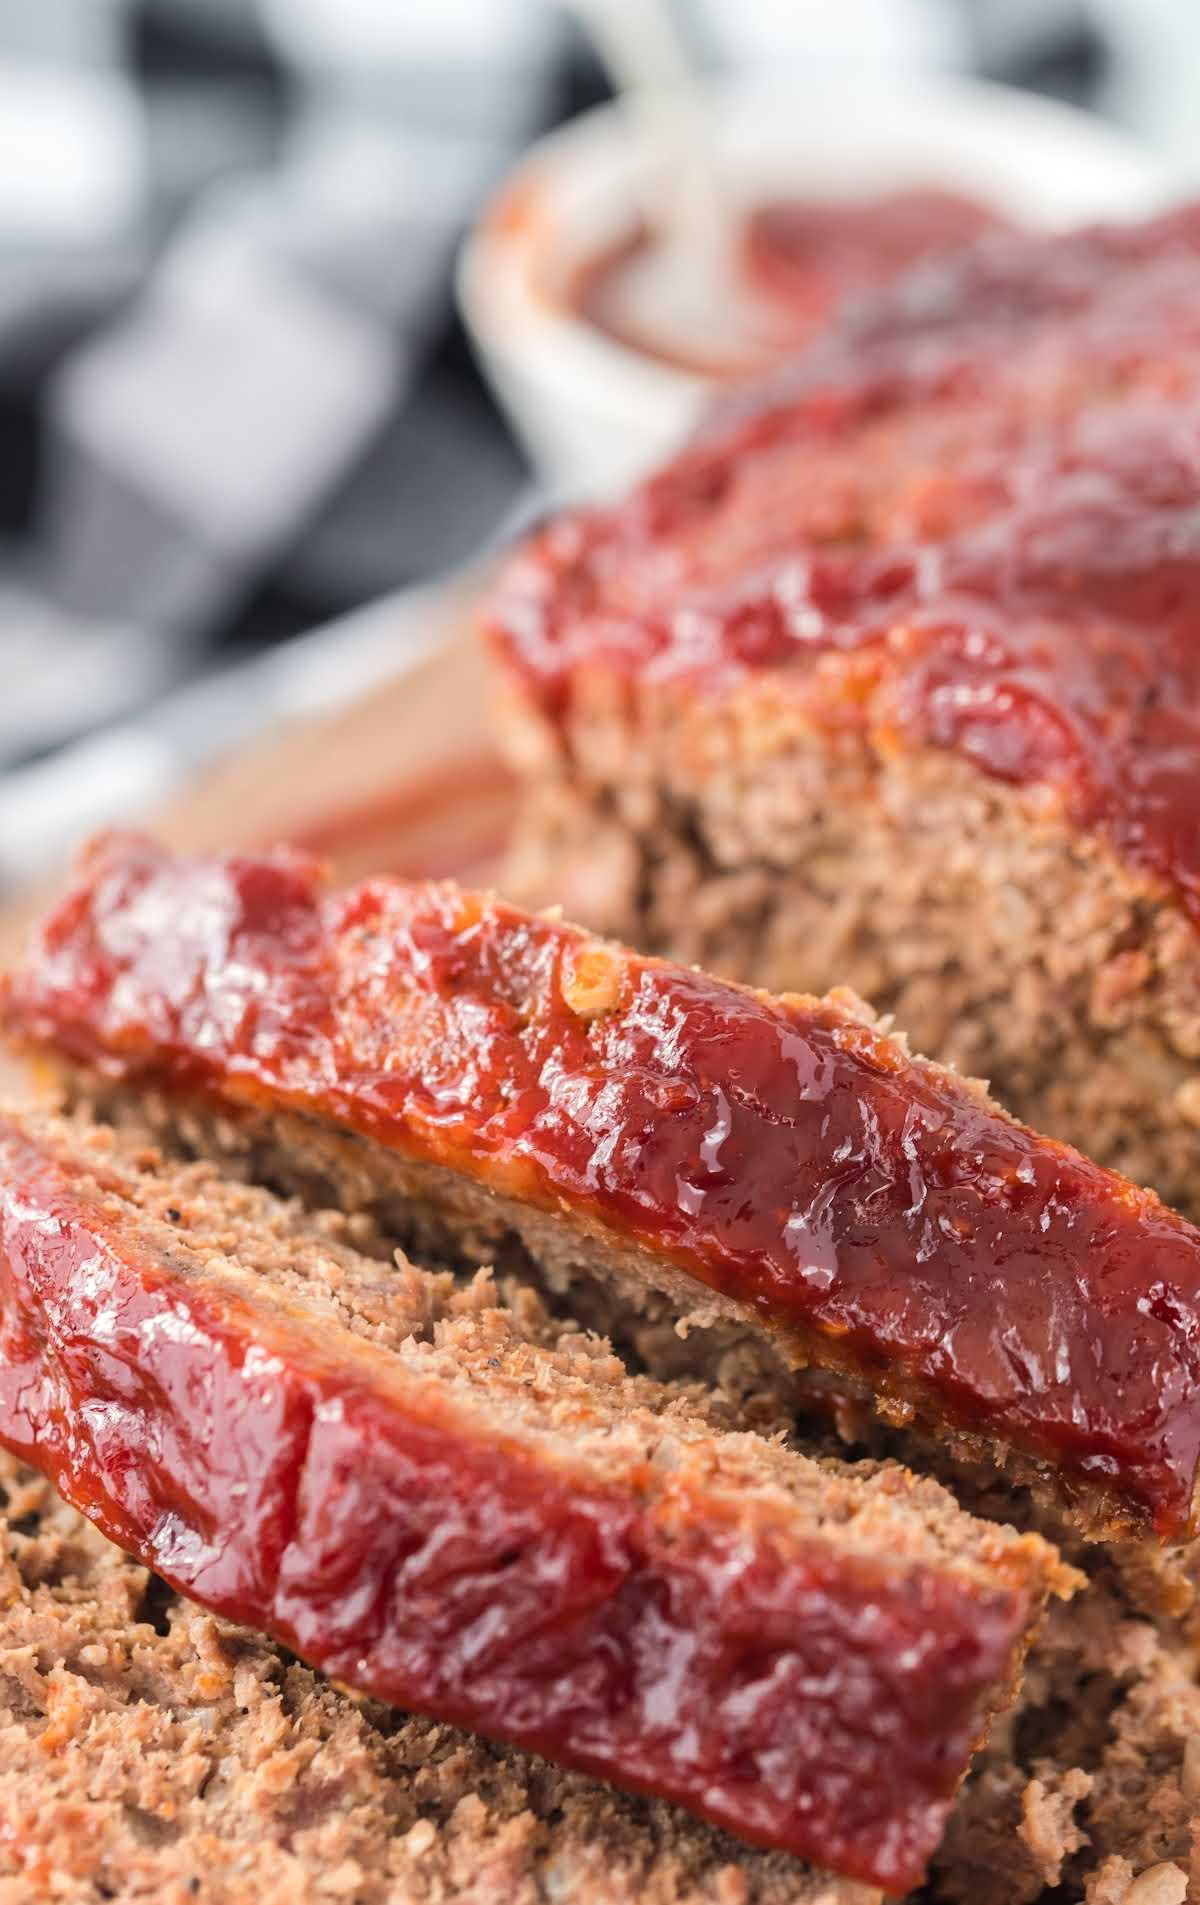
{"points": [[875, 1211], [821, 1698], [970, 522]]}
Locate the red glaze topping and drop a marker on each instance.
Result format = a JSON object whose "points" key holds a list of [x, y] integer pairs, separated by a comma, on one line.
{"points": [[873, 1208], [970, 522], [822, 1701]]}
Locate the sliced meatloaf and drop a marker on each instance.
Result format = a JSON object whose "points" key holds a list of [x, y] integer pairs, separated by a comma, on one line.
{"points": [[427, 1496], [779, 1168], [892, 679], [151, 1754]]}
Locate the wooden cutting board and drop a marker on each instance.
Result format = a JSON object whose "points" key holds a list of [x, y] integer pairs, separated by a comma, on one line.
{"points": [[405, 779]]}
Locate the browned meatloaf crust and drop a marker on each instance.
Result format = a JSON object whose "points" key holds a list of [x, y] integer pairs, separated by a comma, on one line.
{"points": [[778, 1167], [892, 680], [442, 1504], [150, 1752]]}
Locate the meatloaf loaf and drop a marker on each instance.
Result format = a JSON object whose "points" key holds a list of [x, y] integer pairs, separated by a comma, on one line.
{"points": [[778, 1168], [151, 1754], [437, 1500], [892, 679]]}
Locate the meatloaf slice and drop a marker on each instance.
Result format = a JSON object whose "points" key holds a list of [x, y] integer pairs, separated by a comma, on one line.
{"points": [[892, 680], [781, 1167], [151, 1754], [416, 1491]]}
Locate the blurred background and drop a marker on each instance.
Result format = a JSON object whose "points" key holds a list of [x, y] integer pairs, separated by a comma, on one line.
{"points": [[238, 403]]}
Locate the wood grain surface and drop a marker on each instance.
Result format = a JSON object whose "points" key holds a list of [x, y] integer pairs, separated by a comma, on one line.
{"points": [[404, 779]]}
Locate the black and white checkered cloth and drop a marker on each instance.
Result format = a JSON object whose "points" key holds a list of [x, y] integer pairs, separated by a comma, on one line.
{"points": [[233, 396]]}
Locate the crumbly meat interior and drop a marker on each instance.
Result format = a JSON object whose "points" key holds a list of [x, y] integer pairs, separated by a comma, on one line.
{"points": [[1090, 1790]]}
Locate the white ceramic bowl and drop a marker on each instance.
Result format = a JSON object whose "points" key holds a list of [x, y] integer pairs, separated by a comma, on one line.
{"points": [[594, 413]]}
